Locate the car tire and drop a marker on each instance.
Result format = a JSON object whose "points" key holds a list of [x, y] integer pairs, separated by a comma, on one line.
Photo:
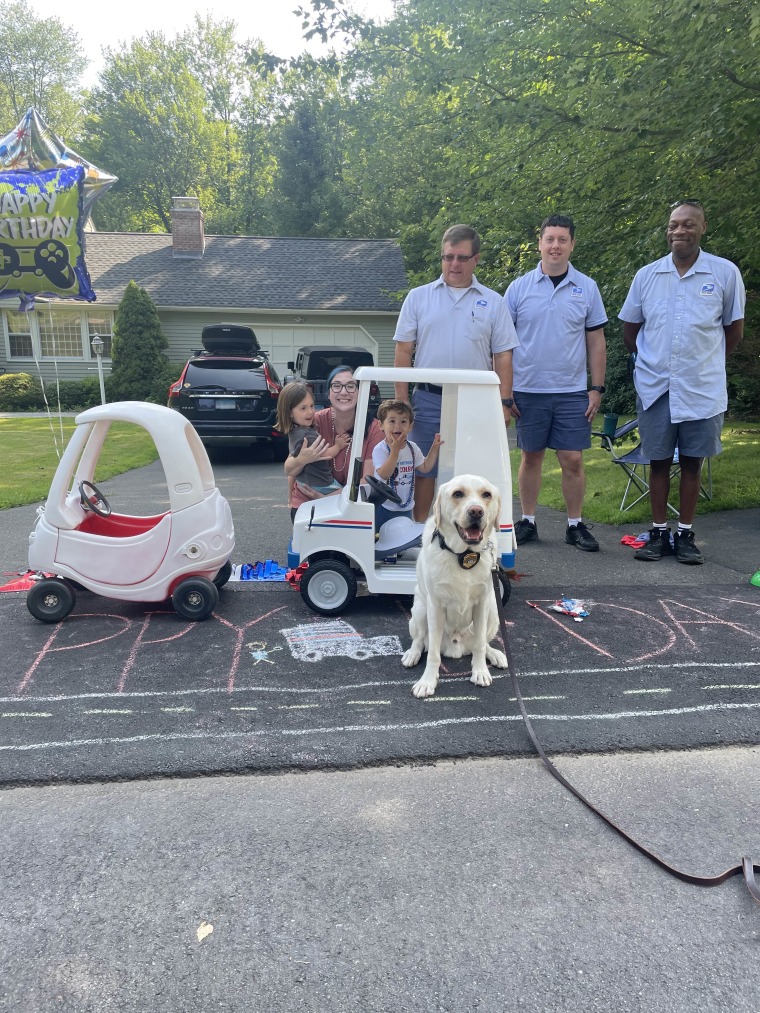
{"points": [[328, 587], [195, 598], [224, 575], [51, 599]]}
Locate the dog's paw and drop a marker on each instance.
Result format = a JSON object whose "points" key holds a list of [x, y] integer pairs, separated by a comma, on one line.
{"points": [[411, 657], [425, 686], [481, 677], [496, 658]]}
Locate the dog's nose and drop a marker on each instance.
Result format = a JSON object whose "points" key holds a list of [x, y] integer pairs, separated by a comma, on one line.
{"points": [[475, 513]]}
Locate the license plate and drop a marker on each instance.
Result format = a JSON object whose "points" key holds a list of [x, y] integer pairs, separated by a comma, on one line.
{"points": [[224, 403]]}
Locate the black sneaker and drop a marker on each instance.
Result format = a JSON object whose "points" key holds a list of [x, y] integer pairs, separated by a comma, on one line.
{"points": [[685, 549], [526, 531], [657, 546], [579, 535]]}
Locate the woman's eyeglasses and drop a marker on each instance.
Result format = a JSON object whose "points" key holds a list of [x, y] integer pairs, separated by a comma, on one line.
{"points": [[350, 388]]}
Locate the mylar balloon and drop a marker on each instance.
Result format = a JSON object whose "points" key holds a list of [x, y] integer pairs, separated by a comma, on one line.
{"points": [[33, 145], [41, 248]]}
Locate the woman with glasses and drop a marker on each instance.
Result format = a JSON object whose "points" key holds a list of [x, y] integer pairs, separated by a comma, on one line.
{"points": [[337, 420]]}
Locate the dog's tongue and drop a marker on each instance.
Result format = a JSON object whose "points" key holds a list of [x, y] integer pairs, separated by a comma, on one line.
{"points": [[473, 534]]}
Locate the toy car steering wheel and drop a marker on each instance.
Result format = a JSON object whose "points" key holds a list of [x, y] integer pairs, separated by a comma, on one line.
{"points": [[380, 491], [93, 499]]}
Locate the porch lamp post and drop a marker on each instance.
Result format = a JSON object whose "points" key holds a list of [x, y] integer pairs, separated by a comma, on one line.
{"points": [[97, 344]]}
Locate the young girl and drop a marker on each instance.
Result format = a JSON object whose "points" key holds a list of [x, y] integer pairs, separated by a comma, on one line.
{"points": [[295, 418], [397, 459]]}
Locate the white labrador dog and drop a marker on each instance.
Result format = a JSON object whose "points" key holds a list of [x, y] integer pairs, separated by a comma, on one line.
{"points": [[454, 611]]}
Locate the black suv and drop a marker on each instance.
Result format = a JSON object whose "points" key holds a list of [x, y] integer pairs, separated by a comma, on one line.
{"points": [[314, 363], [229, 390]]}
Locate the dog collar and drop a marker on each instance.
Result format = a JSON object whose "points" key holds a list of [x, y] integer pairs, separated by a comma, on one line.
{"points": [[467, 559]]}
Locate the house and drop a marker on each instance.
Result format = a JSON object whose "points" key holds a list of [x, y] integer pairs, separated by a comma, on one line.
{"points": [[292, 292]]}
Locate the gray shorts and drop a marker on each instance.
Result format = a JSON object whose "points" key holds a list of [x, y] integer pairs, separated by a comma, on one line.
{"points": [[660, 436], [427, 422], [554, 421]]}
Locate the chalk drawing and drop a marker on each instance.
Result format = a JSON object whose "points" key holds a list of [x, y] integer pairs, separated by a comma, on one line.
{"points": [[333, 730], [336, 639], [259, 652], [239, 635]]}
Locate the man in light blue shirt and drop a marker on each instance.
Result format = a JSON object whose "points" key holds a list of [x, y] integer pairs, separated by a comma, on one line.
{"points": [[559, 318], [452, 323], [683, 315]]}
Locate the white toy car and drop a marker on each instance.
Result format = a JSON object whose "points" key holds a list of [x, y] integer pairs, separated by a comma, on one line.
{"points": [[336, 535], [182, 554]]}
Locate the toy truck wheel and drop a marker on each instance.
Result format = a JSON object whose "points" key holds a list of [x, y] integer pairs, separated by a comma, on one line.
{"points": [[224, 575], [50, 600], [328, 587], [195, 598], [506, 588]]}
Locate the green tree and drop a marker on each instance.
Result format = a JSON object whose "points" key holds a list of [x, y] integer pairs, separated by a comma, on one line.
{"points": [[139, 345], [41, 62], [148, 123]]}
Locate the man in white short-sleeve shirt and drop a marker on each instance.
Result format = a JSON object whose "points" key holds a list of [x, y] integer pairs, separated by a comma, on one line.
{"points": [[452, 323], [683, 315], [559, 318]]}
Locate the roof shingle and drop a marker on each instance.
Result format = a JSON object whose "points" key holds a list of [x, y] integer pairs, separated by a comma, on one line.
{"points": [[251, 272]]}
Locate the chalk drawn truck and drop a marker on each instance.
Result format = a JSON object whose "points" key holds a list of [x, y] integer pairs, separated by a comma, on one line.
{"points": [[336, 535]]}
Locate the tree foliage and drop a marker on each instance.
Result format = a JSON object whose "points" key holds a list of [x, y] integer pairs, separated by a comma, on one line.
{"points": [[41, 62]]}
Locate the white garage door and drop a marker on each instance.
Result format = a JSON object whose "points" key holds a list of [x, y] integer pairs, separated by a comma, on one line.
{"points": [[282, 342]]}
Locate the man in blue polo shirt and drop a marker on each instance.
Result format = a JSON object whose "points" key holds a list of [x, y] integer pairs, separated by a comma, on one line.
{"points": [[452, 323], [683, 315], [560, 319]]}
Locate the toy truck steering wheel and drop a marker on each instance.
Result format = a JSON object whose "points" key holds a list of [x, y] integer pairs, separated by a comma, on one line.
{"points": [[380, 491], [93, 499]]}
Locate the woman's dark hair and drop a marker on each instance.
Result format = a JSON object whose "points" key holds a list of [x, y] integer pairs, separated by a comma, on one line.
{"points": [[334, 372]]}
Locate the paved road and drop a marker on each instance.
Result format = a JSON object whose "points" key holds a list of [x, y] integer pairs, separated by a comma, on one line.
{"points": [[427, 885]]}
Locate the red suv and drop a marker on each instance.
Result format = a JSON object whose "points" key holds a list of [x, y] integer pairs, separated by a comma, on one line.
{"points": [[229, 390]]}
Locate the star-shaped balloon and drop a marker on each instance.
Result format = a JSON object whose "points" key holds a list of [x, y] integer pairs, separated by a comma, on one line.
{"points": [[33, 145]]}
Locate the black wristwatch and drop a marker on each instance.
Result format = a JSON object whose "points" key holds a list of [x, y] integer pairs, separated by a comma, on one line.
{"points": [[508, 402], [600, 389]]}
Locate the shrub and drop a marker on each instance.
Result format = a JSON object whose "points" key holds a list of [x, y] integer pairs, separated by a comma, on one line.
{"points": [[137, 354], [73, 395], [20, 392]]}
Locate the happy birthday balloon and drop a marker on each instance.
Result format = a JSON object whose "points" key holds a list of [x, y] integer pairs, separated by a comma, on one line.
{"points": [[33, 145], [41, 246]]}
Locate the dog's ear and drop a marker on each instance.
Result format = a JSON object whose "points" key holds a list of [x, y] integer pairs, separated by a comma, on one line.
{"points": [[437, 508], [497, 513]]}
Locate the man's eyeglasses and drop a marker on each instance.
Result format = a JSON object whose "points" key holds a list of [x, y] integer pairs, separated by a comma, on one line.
{"points": [[686, 200], [460, 258], [350, 388]]}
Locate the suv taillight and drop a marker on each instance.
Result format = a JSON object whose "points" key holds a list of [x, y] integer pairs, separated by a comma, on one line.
{"points": [[273, 388], [175, 389]]}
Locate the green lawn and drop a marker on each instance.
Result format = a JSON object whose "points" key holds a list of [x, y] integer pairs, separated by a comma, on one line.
{"points": [[30, 449], [735, 476]]}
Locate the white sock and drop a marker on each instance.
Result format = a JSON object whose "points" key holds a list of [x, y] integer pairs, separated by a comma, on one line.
{"points": [[529, 517], [573, 522], [684, 527], [661, 527]]}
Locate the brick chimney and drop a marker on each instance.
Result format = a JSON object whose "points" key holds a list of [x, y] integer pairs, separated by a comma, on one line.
{"points": [[188, 237]]}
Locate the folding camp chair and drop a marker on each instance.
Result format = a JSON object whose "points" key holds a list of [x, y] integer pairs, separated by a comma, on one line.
{"points": [[635, 464]]}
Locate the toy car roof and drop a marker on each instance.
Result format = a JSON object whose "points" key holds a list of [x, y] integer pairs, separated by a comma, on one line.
{"points": [[189, 476]]}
